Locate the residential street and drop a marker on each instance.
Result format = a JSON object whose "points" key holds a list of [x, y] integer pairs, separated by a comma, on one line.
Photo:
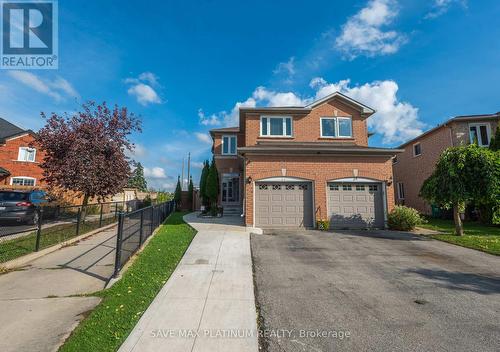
{"points": [[389, 291], [37, 313]]}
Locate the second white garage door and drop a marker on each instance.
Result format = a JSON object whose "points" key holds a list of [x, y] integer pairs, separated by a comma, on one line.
{"points": [[283, 204], [355, 205]]}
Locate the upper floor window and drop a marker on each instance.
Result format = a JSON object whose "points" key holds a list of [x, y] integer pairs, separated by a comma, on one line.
{"points": [[22, 181], [26, 154], [276, 126], [401, 190], [417, 149], [480, 133], [336, 127], [229, 145]]}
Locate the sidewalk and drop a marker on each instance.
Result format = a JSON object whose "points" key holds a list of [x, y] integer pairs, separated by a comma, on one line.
{"points": [[209, 296], [36, 312]]}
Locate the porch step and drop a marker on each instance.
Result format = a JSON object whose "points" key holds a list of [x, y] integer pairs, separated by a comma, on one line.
{"points": [[231, 210]]}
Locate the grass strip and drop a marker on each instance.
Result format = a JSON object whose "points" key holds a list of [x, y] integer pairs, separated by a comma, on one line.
{"points": [[109, 324], [476, 235], [17, 247]]}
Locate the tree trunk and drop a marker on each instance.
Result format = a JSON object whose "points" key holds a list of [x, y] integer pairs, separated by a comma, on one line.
{"points": [[83, 213], [459, 228]]}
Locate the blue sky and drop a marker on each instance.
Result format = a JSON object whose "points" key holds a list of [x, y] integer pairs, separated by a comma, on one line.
{"points": [[185, 67]]}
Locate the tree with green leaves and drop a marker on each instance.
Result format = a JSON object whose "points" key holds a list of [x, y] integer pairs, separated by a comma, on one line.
{"points": [[495, 141], [212, 186], [203, 183], [464, 175], [137, 179], [177, 193], [190, 191]]}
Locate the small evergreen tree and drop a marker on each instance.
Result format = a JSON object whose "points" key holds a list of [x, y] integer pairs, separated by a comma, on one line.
{"points": [[212, 186], [495, 141], [190, 192], [203, 183], [137, 179], [177, 193]]}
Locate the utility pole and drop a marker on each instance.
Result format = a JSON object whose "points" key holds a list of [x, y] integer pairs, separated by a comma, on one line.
{"points": [[182, 177], [189, 167]]}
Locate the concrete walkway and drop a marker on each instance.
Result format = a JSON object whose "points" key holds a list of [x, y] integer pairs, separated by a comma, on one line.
{"points": [[36, 313], [208, 303]]}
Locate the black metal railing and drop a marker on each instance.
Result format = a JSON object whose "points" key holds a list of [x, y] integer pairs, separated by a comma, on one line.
{"points": [[135, 227], [50, 225]]}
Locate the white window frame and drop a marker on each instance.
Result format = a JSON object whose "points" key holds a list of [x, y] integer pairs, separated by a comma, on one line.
{"points": [[337, 128], [413, 147], [229, 136], [478, 128], [24, 178], [27, 149], [401, 187], [284, 118]]}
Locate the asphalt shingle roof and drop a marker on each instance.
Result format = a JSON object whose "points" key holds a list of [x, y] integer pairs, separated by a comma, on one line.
{"points": [[8, 129]]}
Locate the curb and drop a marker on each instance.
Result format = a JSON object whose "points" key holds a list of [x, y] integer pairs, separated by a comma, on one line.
{"points": [[22, 261]]}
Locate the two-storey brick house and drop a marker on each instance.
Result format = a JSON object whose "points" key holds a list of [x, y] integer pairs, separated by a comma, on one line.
{"points": [[19, 162], [292, 166], [420, 155]]}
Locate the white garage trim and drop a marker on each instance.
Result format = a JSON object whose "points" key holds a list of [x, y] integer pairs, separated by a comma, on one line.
{"points": [[284, 179], [384, 201], [355, 179]]}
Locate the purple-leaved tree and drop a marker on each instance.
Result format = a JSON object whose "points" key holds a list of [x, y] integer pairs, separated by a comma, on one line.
{"points": [[85, 151]]}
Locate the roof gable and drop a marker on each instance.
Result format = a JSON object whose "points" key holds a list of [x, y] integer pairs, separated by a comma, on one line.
{"points": [[344, 98], [8, 129]]}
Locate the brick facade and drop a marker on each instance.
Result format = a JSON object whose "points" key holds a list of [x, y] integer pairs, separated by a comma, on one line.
{"points": [[320, 170], [9, 152], [412, 170]]}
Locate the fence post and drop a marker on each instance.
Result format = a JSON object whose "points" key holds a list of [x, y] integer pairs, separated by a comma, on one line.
{"points": [[100, 216], [38, 229], [152, 219], [119, 236], [141, 234], [78, 218]]}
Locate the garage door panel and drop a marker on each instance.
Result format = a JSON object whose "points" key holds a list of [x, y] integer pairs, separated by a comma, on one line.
{"points": [[355, 205], [290, 205]]}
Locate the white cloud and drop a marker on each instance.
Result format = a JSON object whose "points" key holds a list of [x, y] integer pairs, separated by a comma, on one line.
{"points": [[142, 88], [57, 89], [203, 137], [286, 69], [144, 94], [362, 34], [139, 150], [212, 120], [155, 172], [440, 7], [197, 164], [394, 120]]}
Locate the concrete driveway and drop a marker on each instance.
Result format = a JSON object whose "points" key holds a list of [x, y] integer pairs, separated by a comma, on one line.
{"points": [[388, 291]]}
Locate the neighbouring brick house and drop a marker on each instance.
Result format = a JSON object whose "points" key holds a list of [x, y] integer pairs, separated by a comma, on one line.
{"points": [[19, 163], [417, 162], [292, 166]]}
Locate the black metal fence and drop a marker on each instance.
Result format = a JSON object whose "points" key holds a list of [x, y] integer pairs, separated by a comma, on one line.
{"points": [[51, 225], [135, 227]]}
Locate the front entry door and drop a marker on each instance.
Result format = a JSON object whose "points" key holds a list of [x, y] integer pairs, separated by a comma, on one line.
{"points": [[230, 189]]}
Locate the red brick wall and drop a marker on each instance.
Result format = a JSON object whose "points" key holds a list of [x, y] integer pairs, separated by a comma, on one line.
{"points": [[412, 171], [8, 160], [307, 128], [319, 169]]}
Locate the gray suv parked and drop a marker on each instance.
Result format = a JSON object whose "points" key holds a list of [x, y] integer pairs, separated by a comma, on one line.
{"points": [[21, 206]]}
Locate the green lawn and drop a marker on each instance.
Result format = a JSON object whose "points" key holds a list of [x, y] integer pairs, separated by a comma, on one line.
{"points": [[109, 324], [17, 247], [477, 236]]}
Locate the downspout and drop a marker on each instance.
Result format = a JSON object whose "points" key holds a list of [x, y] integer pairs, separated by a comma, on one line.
{"points": [[243, 205]]}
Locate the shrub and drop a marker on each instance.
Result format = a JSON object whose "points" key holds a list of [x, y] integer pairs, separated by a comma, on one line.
{"points": [[323, 225], [404, 218]]}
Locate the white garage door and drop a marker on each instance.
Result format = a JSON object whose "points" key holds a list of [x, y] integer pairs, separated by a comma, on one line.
{"points": [[283, 204], [355, 205]]}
